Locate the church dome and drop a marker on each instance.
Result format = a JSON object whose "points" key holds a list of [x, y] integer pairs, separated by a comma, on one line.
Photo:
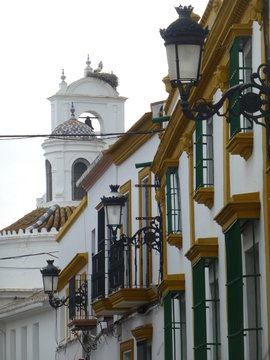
{"points": [[73, 127]]}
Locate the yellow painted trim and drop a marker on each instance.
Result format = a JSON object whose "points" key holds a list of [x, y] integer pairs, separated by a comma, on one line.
{"points": [[205, 196], [122, 296], [266, 203], [143, 332], [128, 144], [191, 201], [67, 318], [175, 240], [172, 282], [75, 265], [143, 173], [203, 248], [238, 30], [124, 189], [72, 219], [240, 206], [226, 163], [241, 144], [127, 346]]}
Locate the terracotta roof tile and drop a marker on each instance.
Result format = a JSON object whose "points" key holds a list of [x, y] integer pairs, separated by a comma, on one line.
{"points": [[56, 219]]}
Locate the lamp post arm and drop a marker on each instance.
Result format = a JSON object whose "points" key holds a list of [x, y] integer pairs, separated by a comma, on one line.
{"points": [[56, 302], [253, 99], [150, 235]]}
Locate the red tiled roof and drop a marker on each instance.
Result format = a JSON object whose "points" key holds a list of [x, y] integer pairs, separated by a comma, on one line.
{"points": [[56, 220]]}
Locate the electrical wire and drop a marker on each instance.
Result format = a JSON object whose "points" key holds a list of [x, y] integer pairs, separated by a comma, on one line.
{"points": [[28, 255], [79, 136]]}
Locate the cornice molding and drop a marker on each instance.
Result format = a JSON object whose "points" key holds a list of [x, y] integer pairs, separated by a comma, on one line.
{"points": [[72, 269], [240, 206], [205, 196], [175, 240], [241, 144], [143, 332], [72, 219], [221, 76], [173, 282], [203, 248], [256, 11]]}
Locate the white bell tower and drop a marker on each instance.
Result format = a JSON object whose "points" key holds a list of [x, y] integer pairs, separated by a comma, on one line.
{"points": [[80, 112]]}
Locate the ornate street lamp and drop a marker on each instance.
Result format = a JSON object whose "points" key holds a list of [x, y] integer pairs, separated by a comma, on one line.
{"points": [[113, 205], [50, 275], [150, 234], [184, 41]]}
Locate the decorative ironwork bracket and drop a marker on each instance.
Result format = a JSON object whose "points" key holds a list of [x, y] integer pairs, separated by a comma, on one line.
{"points": [[79, 300], [150, 235], [253, 105]]}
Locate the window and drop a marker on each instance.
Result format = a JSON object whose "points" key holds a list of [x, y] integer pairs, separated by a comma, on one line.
{"points": [[206, 310], [78, 168], [12, 349], [240, 71], [36, 341], [243, 292], [98, 259], [24, 343], [174, 224], [175, 326], [126, 229], [127, 350], [144, 260], [48, 167], [204, 162], [144, 350]]}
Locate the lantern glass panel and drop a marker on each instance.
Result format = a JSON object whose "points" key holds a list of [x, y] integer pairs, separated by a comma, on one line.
{"points": [[114, 215], [50, 283], [184, 62]]}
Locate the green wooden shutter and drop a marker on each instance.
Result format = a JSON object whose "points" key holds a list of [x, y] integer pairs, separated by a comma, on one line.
{"points": [[199, 155], [235, 292], [200, 346], [169, 202], [168, 326], [234, 80]]}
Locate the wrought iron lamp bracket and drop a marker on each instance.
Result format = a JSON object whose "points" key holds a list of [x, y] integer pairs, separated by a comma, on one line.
{"points": [[150, 235], [253, 99], [80, 298]]}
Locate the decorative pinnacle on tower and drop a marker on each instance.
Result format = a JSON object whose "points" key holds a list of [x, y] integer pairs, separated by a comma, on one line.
{"points": [[88, 68]]}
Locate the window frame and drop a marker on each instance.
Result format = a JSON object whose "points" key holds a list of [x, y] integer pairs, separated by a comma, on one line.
{"points": [[173, 202], [127, 346], [238, 74], [237, 320], [78, 192], [170, 325], [202, 343], [204, 154]]}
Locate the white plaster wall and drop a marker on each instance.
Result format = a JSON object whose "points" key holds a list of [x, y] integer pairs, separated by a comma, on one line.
{"points": [[24, 272], [45, 318]]}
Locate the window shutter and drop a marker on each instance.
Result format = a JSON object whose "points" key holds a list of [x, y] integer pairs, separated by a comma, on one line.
{"points": [[199, 154], [72, 296], [169, 203], [200, 346], [235, 292], [234, 80], [168, 326]]}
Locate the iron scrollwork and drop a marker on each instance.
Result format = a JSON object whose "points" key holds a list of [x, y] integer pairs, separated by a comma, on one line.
{"points": [[80, 298], [253, 100], [150, 235]]}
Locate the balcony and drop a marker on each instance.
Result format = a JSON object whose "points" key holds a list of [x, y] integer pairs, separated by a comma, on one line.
{"points": [[79, 317], [126, 291]]}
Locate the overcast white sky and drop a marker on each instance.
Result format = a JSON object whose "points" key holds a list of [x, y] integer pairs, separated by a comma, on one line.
{"points": [[38, 39]]}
